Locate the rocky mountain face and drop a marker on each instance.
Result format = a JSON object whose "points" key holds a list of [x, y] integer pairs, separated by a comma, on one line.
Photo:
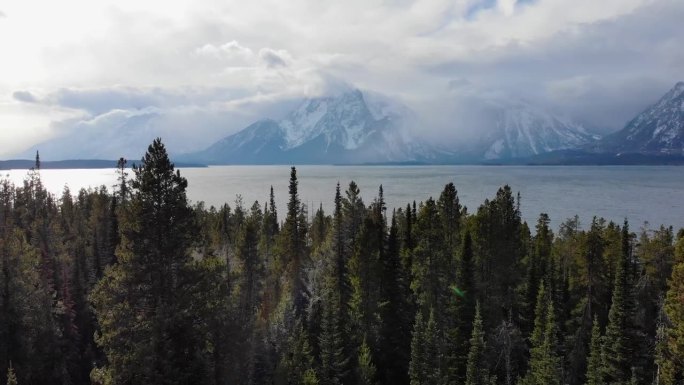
{"points": [[657, 130], [520, 129], [346, 128], [353, 127]]}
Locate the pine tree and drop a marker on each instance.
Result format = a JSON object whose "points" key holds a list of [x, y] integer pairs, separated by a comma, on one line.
{"points": [[395, 332], [364, 268], [617, 349], [476, 372], [416, 366], [424, 352], [123, 182], [594, 364], [498, 245], [671, 345], [310, 378], [544, 362], [144, 304], [319, 228], [538, 268], [431, 265], [293, 249], [367, 369], [296, 361], [341, 256], [463, 304], [450, 215], [252, 269], [333, 361], [11, 376]]}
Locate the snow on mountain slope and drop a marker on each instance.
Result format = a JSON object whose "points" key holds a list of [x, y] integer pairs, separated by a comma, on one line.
{"points": [[521, 129], [340, 128], [657, 130]]}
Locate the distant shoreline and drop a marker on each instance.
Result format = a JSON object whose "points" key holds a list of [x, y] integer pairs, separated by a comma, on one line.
{"points": [[25, 164], [555, 158]]}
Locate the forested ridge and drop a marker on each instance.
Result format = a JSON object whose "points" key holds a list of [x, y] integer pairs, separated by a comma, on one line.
{"points": [[137, 286]]}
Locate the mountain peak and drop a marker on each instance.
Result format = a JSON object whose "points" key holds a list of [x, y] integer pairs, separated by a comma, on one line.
{"points": [[523, 129], [342, 126], [343, 118], [657, 130], [677, 90]]}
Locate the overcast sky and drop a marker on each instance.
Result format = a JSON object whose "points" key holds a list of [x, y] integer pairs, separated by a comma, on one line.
{"points": [[205, 68]]}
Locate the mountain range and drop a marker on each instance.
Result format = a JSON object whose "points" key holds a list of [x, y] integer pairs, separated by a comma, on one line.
{"points": [[659, 130], [351, 126], [343, 128]]}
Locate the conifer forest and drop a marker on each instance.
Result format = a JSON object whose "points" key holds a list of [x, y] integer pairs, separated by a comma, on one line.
{"points": [[134, 284]]}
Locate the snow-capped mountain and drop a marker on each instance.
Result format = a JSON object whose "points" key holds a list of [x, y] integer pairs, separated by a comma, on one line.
{"points": [[657, 130], [343, 128], [517, 129]]}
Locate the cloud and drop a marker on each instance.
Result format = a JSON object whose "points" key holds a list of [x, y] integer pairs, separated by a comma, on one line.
{"points": [[598, 61], [121, 121], [273, 58], [2, 15], [601, 74], [24, 96], [231, 53], [459, 83]]}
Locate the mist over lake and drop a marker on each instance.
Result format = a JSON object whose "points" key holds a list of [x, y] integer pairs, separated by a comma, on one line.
{"points": [[639, 193]]}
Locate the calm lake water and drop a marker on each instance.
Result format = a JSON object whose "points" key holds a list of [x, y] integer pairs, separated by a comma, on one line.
{"points": [[653, 194]]}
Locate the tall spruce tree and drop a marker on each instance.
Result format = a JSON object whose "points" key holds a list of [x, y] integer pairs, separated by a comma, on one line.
{"points": [[367, 370], [296, 364], [11, 376], [395, 332], [450, 215], [293, 248], [544, 365], [424, 351], [416, 365], [618, 349], [364, 267], [594, 363], [498, 247], [334, 364], [252, 267], [476, 369], [670, 358], [144, 303], [464, 304]]}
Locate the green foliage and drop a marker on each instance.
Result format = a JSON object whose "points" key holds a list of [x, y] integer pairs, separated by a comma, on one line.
{"points": [[393, 353], [296, 364], [617, 351], [462, 311], [477, 372], [293, 248], [671, 343], [144, 303], [333, 360], [11, 376], [424, 354], [594, 365], [498, 247], [185, 295], [544, 362], [310, 378], [367, 370]]}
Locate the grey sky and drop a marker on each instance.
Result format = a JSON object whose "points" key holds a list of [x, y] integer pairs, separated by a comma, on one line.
{"points": [[209, 67]]}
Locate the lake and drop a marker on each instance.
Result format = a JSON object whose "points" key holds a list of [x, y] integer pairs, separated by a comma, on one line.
{"points": [[653, 194]]}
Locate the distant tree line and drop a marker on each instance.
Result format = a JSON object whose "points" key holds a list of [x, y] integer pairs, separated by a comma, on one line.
{"points": [[137, 286]]}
